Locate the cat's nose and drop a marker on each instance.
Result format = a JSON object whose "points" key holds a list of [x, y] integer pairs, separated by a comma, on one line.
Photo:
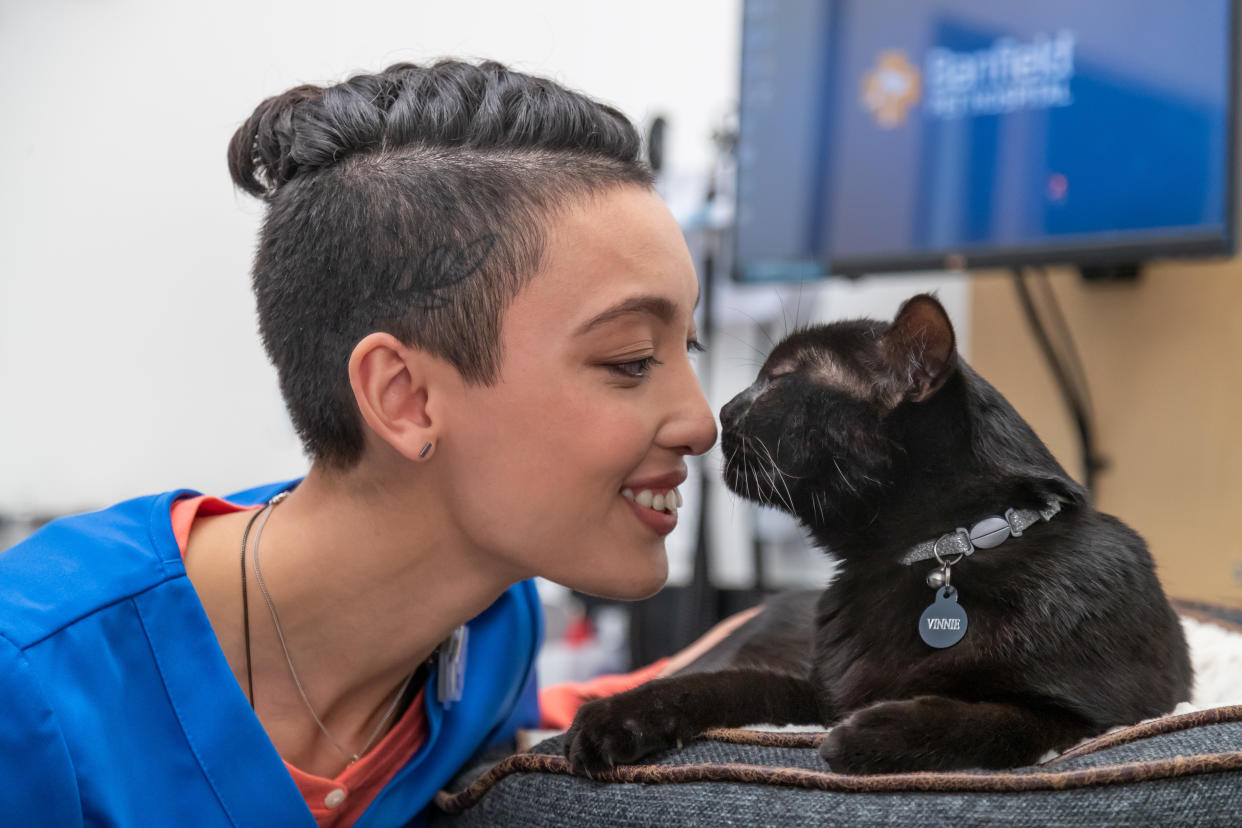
{"points": [[735, 409]]}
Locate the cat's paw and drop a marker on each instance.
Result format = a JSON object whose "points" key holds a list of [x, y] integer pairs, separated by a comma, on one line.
{"points": [[887, 737], [620, 729]]}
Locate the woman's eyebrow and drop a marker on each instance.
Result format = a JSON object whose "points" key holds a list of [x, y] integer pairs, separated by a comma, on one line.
{"points": [[657, 306]]}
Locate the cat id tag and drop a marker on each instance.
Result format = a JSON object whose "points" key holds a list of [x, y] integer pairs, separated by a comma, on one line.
{"points": [[943, 623]]}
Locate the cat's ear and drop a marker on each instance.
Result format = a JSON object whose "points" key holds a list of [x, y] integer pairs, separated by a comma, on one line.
{"points": [[920, 348]]}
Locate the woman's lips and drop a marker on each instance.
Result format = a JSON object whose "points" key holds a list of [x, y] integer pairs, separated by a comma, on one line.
{"points": [[657, 482]]}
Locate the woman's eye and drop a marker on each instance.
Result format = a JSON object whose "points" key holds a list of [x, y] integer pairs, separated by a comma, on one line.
{"points": [[635, 368], [694, 346]]}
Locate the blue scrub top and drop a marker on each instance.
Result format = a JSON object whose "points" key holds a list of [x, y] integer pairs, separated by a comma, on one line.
{"points": [[117, 706]]}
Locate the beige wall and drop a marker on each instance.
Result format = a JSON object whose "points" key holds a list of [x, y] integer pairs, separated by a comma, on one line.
{"points": [[1164, 362]]}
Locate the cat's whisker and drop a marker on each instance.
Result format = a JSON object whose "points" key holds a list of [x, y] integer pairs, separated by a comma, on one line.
{"points": [[771, 475], [768, 473], [745, 469], [777, 492], [843, 477], [784, 316], [762, 468], [762, 329], [788, 493], [772, 459], [762, 355], [782, 471], [785, 476], [780, 497]]}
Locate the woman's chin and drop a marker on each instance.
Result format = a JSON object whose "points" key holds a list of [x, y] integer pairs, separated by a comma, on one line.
{"points": [[632, 584], [638, 592]]}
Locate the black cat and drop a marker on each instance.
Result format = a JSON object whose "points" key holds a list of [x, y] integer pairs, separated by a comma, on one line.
{"points": [[882, 441]]}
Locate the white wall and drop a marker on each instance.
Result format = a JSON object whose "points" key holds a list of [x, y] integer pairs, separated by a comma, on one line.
{"points": [[129, 361]]}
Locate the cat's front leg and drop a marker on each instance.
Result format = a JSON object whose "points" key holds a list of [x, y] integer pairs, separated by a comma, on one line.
{"points": [[929, 733], [667, 713]]}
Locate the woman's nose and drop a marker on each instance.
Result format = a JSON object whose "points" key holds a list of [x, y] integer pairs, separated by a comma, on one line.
{"points": [[693, 430]]}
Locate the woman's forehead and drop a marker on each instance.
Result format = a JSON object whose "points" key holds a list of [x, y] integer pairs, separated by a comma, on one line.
{"points": [[617, 254]]}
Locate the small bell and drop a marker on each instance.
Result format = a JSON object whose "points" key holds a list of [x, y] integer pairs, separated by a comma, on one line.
{"points": [[937, 578]]}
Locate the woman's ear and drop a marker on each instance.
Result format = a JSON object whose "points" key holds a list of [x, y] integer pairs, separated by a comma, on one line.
{"points": [[390, 381]]}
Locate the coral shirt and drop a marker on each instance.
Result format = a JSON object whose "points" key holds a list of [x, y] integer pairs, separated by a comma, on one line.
{"points": [[338, 802]]}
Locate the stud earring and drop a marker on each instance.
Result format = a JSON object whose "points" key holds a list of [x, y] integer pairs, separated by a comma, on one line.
{"points": [[423, 453]]}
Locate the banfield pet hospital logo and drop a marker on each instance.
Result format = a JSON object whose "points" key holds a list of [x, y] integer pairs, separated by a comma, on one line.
{"points": [[1008, 76], [891, 88]]}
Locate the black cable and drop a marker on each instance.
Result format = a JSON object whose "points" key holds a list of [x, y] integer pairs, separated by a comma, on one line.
{"points": [[1068, 348], [1074, 398]]}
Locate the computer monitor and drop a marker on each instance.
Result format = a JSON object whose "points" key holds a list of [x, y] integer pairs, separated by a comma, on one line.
{"points": [[881, 135]]}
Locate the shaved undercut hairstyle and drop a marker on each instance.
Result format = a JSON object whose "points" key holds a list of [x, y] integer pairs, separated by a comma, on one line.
{"points": [[413, 201]]}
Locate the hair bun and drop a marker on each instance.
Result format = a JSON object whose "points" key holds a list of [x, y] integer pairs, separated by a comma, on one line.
{"points": [[261, 152]]}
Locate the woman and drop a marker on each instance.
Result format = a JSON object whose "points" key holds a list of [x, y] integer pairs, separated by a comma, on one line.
{"points": [[480, 315]]}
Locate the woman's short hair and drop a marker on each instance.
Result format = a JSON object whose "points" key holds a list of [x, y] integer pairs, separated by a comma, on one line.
{"points": [[413, 201]]}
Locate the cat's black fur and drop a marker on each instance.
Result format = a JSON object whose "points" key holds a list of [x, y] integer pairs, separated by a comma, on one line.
{"points": [[878, 437]]}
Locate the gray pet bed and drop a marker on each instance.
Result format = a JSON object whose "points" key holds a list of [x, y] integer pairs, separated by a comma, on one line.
{"points": [[1181, 770], [1177, 770]]}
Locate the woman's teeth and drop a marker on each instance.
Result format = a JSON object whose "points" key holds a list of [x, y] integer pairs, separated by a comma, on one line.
{"points": [[668, 501]]}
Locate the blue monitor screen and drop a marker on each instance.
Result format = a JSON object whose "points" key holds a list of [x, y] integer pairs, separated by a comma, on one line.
{"points": [[902, 134]]}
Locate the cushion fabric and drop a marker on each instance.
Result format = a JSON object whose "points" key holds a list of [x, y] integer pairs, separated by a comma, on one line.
{"points": [[1184, 770]]}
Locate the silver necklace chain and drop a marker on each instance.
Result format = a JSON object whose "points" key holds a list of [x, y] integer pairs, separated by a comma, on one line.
{"points": [[271, 608]]}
